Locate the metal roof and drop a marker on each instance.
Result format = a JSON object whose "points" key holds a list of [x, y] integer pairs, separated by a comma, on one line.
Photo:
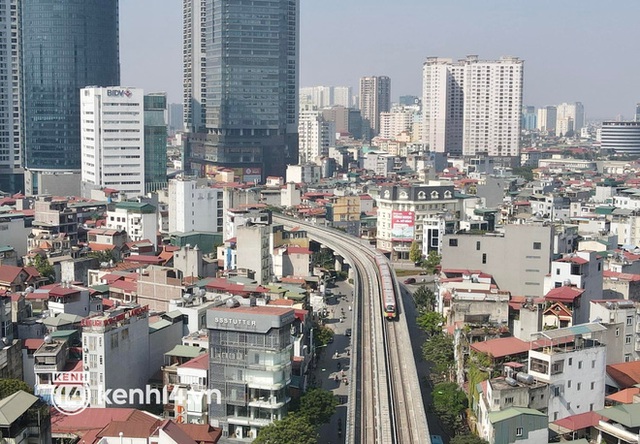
{"points": [[626, 414], [14, 406], [512, 412], [580, 329], [185, 351]]}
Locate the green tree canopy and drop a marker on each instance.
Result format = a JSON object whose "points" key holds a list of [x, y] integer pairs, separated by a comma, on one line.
{"points": [[424, 298], [438, 350], [431, 322], [291, 429], [432, 261], [10, 386], [44, 268], [467, 438], [323, 335], [449, 402], [415, 252], [318, 405]]}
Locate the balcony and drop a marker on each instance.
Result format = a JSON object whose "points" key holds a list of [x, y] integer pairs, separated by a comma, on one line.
{"points": [[268, 403]]}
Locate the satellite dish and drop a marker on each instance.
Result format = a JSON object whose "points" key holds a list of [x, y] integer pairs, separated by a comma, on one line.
{"points": [[6, 341], [29, 289], [48, 339]]}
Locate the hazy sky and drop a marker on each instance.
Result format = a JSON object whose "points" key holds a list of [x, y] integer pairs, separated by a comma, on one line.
{"points": [[574, 50]]}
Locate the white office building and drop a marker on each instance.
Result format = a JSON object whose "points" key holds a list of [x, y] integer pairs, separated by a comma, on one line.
{"points": [[472, 106], [112, 131], [194, 206]]}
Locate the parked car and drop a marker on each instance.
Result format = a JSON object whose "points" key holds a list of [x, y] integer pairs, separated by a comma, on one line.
{"points": [[410, 281], [348, 332]]}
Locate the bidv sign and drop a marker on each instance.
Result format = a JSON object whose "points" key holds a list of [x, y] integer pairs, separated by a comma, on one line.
{"points": [[119, 93]]}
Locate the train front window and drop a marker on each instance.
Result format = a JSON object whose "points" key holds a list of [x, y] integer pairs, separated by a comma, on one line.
{"points": [[390, 308]]}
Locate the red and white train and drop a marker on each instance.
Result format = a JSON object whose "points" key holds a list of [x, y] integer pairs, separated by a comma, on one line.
{"points": [[387, 289]]}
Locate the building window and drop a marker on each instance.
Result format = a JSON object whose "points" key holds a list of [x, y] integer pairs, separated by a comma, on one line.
{"points": [[508, 400], [579, 386], [568, 406], [618, 331], [453, 242], [537, 246], [627, 358], [579, 364], [557, 271], [519, 431], [478, 245], [484, 258], [593, 364], [569, 383], [627, 339], [570, 361], [629, 320], [555, 416], [593, 385]]}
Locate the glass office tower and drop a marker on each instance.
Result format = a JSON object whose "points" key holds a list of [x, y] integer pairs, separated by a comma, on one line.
{"points": [[247, 55], [65, 45], [155, 141]]}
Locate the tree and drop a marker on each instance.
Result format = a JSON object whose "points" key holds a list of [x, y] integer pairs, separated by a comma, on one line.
{"points": [[467, 438], [415, 253], [44, 268], [431, 322], [432, 262], [10, 386], [438, 350], [318, 405], [424, 298], [292, 428], [449, 402], [102, 255], [323, 335]]}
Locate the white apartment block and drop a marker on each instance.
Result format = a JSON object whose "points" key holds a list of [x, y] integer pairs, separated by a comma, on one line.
{"points": [[139, 220], [472, 106], [573, 363], [307, 173], [569, 118], [194, 207], [546, 121], [116, 351], [315, 135], [112, 132], [622, 337], [396, 121], [342, 96], [319, 96]]}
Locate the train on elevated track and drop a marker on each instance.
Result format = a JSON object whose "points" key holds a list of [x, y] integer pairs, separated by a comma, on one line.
{"points": [[388, 288]]}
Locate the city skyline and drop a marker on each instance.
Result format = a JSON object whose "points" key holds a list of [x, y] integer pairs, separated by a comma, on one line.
{"points": [[151, 51]]}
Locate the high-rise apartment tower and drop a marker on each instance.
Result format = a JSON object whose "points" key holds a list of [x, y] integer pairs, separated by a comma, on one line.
{"points": [[375, 98], [472, 106]]}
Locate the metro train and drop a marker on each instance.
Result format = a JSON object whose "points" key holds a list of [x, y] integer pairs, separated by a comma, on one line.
{"points": [[387, 288]]}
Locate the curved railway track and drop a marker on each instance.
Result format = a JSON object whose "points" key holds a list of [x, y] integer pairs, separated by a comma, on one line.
{"points": [[385, 402]]}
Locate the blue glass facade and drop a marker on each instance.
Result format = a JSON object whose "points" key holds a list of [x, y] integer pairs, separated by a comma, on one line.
{"points": [[65, 45]]}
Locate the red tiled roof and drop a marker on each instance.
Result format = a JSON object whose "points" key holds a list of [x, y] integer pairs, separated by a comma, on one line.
{"points": [[8, 273], [563, 294], [143, 259], [574, 260], [202, 433], [174, 432], [625, 374], [93, 418], [142, 428], [32, 343], [282, 302], [501, 347], [126, 286], [199, 362], [621, 276], [101, 247], [624, 396], [579, 422], [63, 291]]}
